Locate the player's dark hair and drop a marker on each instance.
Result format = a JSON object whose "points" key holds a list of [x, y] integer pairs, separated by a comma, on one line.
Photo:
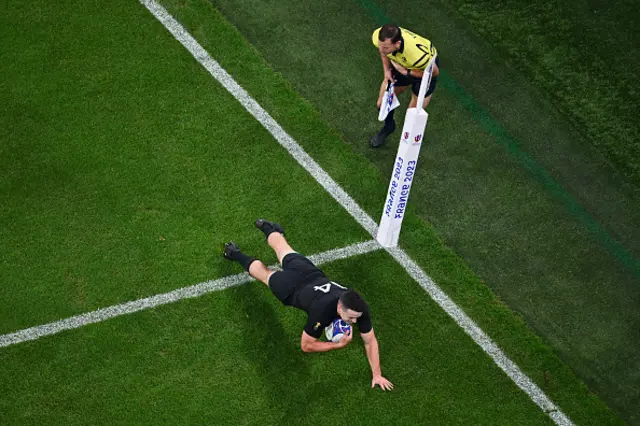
{"points": [[352, 300], [390, 31]]}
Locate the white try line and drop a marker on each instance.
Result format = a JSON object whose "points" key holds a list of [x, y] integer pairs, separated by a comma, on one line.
{"points": [[197, 290], [458, 315]]}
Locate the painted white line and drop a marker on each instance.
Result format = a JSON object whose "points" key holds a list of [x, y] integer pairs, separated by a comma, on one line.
{"points": [[197, 290], [309, 164], [458, 315], [476, 333]]}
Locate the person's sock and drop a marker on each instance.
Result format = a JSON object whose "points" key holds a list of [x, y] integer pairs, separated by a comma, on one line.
{"points": [[389, 122], [243, 259]]}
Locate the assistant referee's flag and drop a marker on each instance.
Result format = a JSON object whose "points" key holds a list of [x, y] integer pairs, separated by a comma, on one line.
{"points": [[389, 102]]}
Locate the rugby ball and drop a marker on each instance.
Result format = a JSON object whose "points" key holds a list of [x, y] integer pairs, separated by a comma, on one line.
{"points": [[336, 330]]}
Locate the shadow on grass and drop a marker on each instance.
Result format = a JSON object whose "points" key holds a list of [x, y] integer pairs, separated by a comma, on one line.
{"points": [[276, 355]]}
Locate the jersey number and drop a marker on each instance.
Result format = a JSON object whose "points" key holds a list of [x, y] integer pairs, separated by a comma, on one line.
{"points": [[326, 288]]}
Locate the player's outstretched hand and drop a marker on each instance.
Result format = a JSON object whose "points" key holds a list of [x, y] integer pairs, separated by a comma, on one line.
{"points": [[346, 339], [382, 382]]}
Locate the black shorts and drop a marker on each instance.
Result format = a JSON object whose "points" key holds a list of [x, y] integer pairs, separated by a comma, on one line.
{"points": [[297, 271], [403, 80]]}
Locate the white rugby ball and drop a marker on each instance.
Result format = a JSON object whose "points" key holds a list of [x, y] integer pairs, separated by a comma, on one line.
{"points": [[336, 330]]}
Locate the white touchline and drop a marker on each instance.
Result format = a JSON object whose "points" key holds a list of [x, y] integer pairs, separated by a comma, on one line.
{"points": [[458, 315], [197, 290]]}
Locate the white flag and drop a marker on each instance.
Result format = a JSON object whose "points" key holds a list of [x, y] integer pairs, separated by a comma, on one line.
{"points": [[389, 102]]}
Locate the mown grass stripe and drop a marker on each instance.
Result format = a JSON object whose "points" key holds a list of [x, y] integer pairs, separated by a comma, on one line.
{"points": [[450, 307], [480, 337], [541, 175]]}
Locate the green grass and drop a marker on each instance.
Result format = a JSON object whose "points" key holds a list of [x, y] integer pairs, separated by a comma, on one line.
{"points": [[583, 55], [115, 190], [505, 180], [170, 141], [233, 357]]}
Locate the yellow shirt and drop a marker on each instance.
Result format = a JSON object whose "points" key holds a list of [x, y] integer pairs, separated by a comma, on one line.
{"points": [[415, 53]]}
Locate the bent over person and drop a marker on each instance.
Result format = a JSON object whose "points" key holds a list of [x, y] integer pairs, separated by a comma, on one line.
{"points": [[304, 286], [404, 56]]}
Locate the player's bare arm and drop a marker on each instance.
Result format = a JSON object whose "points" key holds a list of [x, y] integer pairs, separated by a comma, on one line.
{"points": [[402, 70], [373, 355], [311, 344], [415, 73], [420, 73], [386, 68]]}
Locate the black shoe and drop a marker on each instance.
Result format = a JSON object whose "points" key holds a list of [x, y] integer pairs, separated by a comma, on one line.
{"points": [[380, 138], [229, 250], [268, 227]]}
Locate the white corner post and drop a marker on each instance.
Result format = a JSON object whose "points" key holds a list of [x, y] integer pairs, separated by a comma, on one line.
{"points": [[415, 123]]}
